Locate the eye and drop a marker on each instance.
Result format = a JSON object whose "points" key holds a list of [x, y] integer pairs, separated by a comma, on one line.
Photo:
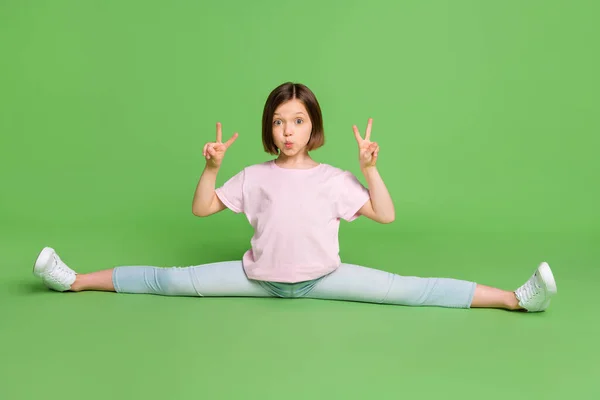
{"points": [[299, 119], [276, 122]]}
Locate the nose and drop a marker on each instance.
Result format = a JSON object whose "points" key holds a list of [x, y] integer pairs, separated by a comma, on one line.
{"points": [[288, 130]]}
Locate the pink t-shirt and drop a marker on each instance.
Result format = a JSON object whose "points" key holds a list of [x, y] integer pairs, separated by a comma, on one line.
{"points": [[296, 215]]}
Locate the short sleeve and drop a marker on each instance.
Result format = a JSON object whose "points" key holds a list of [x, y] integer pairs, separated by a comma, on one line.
{"points": [[232, 192], [351, 196]]}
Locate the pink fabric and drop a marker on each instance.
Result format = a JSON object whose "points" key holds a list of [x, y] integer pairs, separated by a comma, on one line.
{"points": [[295, 215]]}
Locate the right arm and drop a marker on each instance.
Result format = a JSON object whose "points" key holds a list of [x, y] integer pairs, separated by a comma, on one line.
{"points": [[206, 202]]}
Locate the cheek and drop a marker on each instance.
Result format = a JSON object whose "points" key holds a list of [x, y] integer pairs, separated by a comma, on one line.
{"points": [[307, 131]]}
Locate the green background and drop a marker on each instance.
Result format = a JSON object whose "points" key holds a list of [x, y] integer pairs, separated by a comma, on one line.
{"points": [[486, 114]]}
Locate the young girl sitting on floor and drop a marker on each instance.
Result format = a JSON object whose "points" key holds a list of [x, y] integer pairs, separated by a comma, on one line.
{"points": [[295, 205]]}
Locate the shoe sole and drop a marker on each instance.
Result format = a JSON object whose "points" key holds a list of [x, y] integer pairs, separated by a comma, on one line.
{"points": [[42, 261], [547, 277]]}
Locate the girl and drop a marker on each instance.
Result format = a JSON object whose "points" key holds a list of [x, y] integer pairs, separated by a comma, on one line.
{"points": [[295, 205]]}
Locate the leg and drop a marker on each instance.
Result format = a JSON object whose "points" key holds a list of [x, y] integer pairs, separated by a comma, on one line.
{"points": [[99, 280], [217, 279], [489, 297], [356, 283], [221, 279]]}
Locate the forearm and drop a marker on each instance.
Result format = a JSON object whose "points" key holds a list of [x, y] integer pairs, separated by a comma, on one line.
{"points": [[205, 191], [381, 200]]}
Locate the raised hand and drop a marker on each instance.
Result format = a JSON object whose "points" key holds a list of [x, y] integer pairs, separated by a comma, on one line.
{"points": [[367, 150], [215, 151]]}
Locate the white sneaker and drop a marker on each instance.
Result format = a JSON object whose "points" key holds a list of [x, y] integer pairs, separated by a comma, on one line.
{"points": [[54, 272], [534, 295]]}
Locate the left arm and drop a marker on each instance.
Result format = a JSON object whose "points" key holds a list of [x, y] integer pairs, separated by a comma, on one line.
{"points": [[380, 206]]}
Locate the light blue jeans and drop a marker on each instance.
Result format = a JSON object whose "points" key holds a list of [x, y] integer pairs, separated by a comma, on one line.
{"points": [[348, 282]]}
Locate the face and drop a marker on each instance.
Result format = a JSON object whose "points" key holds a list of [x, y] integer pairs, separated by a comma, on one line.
{"points": [[291, 127]]}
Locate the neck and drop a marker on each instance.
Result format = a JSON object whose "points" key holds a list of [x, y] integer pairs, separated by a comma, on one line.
{"points": [[300, 160]]}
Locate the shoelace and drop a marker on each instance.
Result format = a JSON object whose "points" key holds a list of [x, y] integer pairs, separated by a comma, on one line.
{"points": [[529, 290], [58, 271]]}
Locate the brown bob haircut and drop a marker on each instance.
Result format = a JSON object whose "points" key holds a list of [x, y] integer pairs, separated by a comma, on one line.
{"points": [[285, 92]]}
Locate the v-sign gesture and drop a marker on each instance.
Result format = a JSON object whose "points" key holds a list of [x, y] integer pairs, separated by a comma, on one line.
{"points": [[367, 150], [215, 151]]}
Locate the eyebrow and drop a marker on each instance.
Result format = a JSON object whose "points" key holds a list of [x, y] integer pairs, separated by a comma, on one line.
{"points": [[299, 112]]}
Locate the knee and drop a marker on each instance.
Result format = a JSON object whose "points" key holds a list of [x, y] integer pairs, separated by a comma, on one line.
{"points": [[174, 281], [408, 291]]}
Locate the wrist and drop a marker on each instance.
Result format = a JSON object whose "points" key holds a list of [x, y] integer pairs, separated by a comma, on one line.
{"points": [[368, 169], [210, 167]]}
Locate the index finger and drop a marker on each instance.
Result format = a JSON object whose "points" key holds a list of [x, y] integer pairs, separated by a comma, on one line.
{"points": [[219, 132]]}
